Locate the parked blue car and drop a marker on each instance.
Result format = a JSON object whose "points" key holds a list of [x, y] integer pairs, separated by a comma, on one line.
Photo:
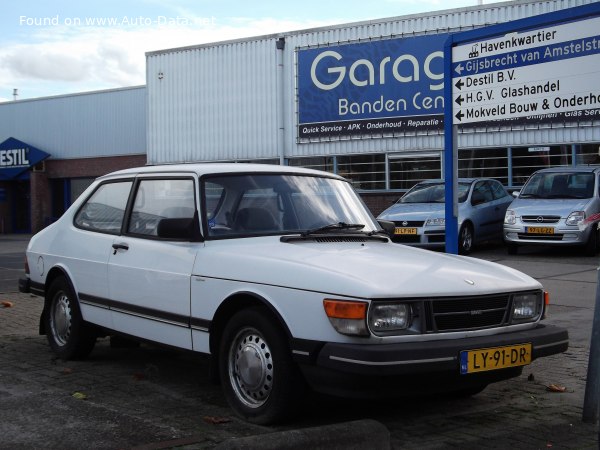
{"points": [[420, 218]]}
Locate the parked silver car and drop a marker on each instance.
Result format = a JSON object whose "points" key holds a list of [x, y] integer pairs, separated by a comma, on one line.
{"points": [[420, 218], [550, 208]]}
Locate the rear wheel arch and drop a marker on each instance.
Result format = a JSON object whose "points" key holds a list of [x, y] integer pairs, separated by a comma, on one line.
{"points": [[53, 274]]}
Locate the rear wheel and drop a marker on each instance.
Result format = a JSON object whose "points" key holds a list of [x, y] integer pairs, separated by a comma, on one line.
{"points": [[67, 333], [465, 239], [260, 381]]}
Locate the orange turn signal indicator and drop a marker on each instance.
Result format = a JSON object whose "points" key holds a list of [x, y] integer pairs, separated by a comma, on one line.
{"points": [[546, 298], [344, 309]]}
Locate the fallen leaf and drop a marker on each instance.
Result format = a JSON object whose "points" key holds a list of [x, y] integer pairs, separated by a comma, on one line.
{"points": [[67, 371], [556, 388], [79, 396], [7, 304], [216, 420]]}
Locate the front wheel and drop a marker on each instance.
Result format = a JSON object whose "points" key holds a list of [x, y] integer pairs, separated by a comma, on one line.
{"points": [[68, 335], [465, 239], [260, 381]]}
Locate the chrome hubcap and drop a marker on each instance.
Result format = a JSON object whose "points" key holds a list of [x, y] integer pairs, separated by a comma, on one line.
{"points": [[250, 368], [61, 319]]}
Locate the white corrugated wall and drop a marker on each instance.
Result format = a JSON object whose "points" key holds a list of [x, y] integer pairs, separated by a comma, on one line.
{"points": [[219, 102], [107, 123]]}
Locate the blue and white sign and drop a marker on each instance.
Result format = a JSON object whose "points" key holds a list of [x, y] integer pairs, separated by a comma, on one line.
{"points": [[17, 157], [542, 74], [371, 88]]}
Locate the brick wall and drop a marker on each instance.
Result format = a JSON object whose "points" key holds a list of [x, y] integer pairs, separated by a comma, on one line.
{"points": [[378, 202]]}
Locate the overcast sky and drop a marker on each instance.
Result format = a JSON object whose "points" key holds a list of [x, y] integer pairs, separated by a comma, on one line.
{"points": [[61, 47]]}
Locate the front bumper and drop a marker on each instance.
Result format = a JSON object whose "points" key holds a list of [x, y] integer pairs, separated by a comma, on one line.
{"points": [[426, 237], [366, 370], [562, 235]]}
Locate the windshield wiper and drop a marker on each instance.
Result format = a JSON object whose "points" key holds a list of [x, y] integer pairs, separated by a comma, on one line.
{"points": [[334, 227]]}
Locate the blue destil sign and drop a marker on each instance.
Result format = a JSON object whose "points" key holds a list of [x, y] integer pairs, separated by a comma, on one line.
{"points": [[16, 157], [378, 87]]}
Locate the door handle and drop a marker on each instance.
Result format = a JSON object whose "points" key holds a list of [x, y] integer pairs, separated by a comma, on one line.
{"points": [[119, 247]]}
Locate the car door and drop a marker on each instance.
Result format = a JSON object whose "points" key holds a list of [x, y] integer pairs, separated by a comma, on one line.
{"points": [[484, 213], [96, 223], [149, 276]]}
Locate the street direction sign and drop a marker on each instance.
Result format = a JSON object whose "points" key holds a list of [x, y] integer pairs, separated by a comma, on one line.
{"points": [[540, 73]]}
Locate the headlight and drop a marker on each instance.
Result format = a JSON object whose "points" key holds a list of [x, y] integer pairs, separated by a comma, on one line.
{"points": [[527, 307], [510, 218], [435, 222], [347, 317], [575, 217], [389, 317]]}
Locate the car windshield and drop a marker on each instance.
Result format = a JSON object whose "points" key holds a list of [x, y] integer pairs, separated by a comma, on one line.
{"points": [[559, 185], [262, 204], [433, 193]]}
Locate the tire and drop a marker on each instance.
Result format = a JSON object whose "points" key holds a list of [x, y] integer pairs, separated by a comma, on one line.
{"points": [[260, 381], [465, 239], [591, 247], [67, 333], [512, 249]]}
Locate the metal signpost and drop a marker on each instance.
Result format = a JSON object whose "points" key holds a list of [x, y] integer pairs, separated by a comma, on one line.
{"points": [[535, 70]]}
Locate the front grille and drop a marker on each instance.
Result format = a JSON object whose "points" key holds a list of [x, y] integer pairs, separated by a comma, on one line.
{"points": [[410, 223], [540, 219], [467, 313], [540, 237]]}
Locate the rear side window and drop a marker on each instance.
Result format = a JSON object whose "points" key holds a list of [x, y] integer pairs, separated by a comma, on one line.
{"points": [[105, 209]]}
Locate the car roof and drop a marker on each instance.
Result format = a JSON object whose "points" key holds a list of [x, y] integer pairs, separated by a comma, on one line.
{"points": [[215, 168], [460, 180], [570, 169]]}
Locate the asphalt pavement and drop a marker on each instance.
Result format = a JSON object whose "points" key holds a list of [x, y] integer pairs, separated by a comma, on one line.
{"points": [[149, 397]]}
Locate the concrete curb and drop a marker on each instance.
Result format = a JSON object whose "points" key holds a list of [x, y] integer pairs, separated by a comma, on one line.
{"points": [[355, 435]]}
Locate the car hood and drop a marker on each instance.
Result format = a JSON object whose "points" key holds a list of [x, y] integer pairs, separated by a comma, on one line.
{"points": [[370, 269], [554, 207], [413, 211]]}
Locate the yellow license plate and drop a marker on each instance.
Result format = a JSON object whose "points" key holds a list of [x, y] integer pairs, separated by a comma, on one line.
{"points": [[540, 230], [399, 230], [483, 359]]}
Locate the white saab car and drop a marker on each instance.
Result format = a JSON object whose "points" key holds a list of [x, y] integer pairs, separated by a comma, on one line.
{"points": [[285, 279]]}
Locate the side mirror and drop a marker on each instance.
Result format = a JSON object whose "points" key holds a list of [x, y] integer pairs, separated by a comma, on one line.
{"points": [[388, 226], [515, 194], [180, 229]]}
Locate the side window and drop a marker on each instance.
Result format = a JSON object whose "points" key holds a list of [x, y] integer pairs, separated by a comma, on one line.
{"points": [[481, 193], [498, 190], [104, 210], [161, 199]]}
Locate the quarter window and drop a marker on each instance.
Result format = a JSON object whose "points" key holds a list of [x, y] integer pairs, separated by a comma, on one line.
{"points": [[104, 210]]}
